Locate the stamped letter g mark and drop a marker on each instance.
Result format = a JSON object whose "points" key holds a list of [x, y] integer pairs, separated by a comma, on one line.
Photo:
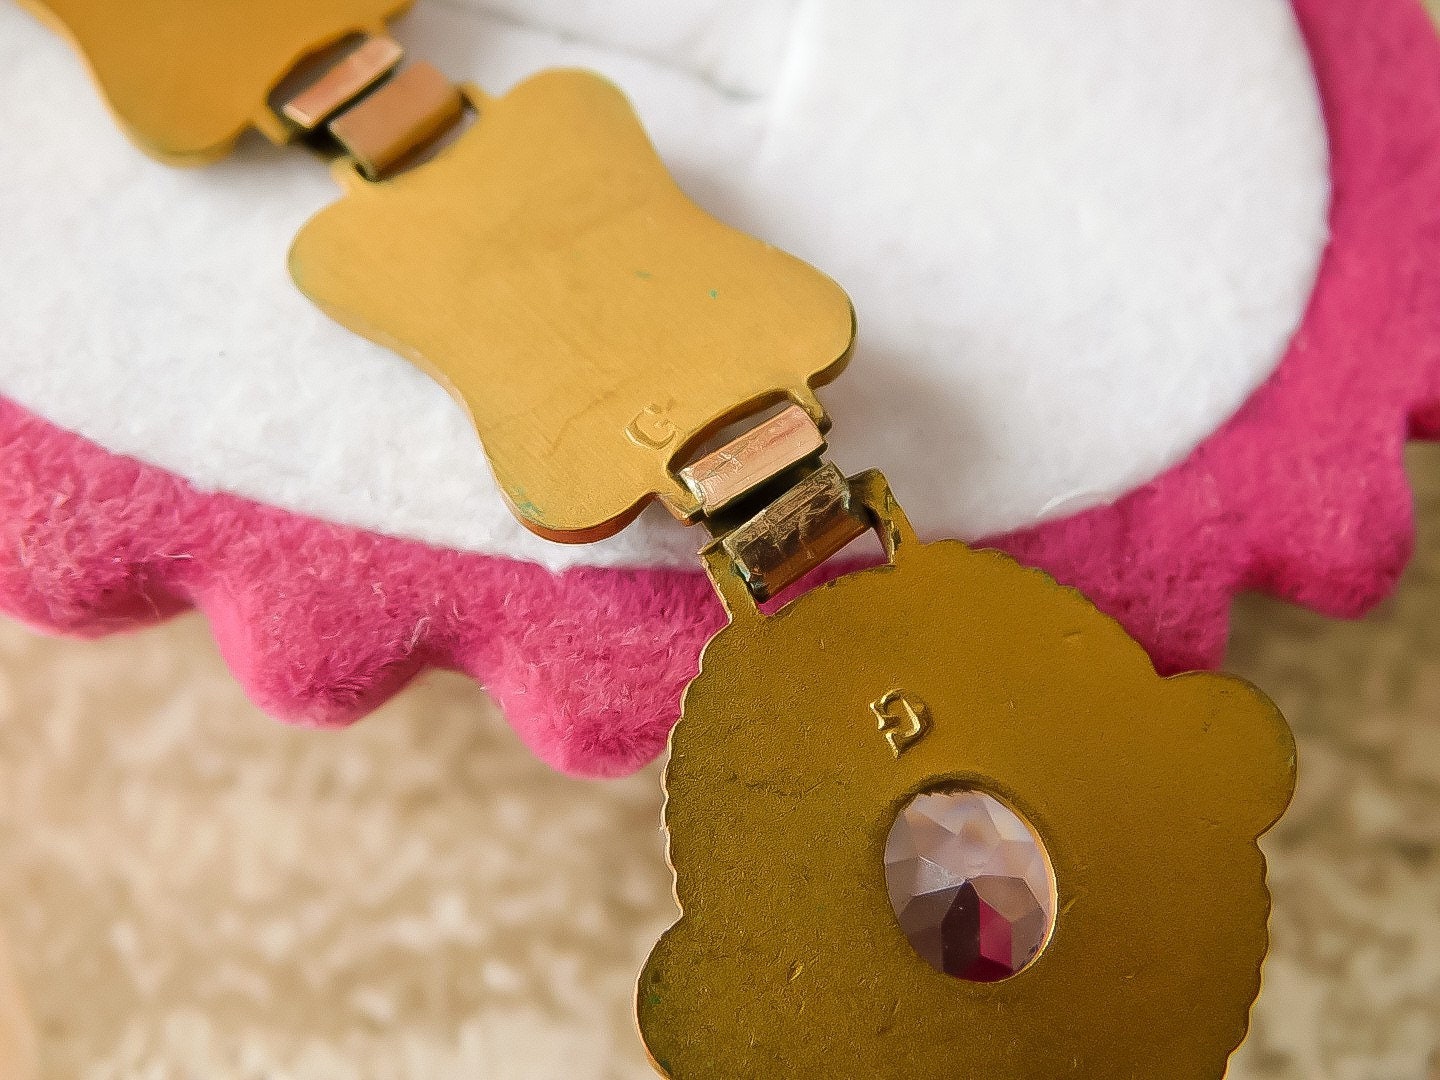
{"points": [[903, 719], [651, 429]]}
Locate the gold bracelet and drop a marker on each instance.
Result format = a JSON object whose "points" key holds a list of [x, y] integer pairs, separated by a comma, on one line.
{"points": [[938, 817]]}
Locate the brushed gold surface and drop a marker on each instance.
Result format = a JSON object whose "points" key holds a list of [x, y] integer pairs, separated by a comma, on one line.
{"points": [[186, 77], [593, 321], [1149, 794]]}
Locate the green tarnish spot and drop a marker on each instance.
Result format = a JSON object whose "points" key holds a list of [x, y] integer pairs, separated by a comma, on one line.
{"points": [[523, 504], [714, 294], [644, 275], [653, 999]]}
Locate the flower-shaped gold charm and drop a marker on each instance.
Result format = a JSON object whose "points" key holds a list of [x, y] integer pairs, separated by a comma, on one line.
{"points": [[809, 733]]}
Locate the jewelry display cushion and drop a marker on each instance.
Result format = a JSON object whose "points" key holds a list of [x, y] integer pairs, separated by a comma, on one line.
{"points": [[1151, 300]]}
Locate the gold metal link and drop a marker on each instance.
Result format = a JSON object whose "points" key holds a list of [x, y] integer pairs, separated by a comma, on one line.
{"points": [[596, 325], [187, 77]]}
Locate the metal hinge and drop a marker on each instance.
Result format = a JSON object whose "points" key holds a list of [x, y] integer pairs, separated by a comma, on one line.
{"points": [[381, 115], [776, 510]]}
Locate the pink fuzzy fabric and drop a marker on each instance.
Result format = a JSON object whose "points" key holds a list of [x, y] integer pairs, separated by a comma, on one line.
{"points": [[1302, 494]]}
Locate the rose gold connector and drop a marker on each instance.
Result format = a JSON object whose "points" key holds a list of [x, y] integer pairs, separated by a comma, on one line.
{"points": [[760, 454], [414, 108], [356, 72]]}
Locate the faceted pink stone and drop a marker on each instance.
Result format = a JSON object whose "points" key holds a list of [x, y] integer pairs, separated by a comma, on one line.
{"points": [[970, 885]]}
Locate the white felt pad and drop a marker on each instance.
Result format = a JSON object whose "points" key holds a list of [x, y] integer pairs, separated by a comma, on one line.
{"points": [[1078, 233]]}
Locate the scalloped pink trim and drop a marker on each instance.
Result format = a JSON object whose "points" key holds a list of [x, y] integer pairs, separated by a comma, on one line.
{"points": [[1302, 494]]}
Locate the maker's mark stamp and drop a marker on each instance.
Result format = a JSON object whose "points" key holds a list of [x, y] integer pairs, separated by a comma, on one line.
{"points": [[903, 720]]}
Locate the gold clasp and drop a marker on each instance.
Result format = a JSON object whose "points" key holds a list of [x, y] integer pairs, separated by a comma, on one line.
{"points": [[382, 118], [803, 527]]}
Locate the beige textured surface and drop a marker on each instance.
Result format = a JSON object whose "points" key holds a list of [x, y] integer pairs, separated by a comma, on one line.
{"points": [[1353, 984], [195, 892], [18, 1051], [192, 891]]}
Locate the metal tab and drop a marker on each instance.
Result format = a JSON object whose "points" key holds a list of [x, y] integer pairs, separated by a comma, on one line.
{"points": [[720, 478], [405, 115], [796, 533], [351, 76]]}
